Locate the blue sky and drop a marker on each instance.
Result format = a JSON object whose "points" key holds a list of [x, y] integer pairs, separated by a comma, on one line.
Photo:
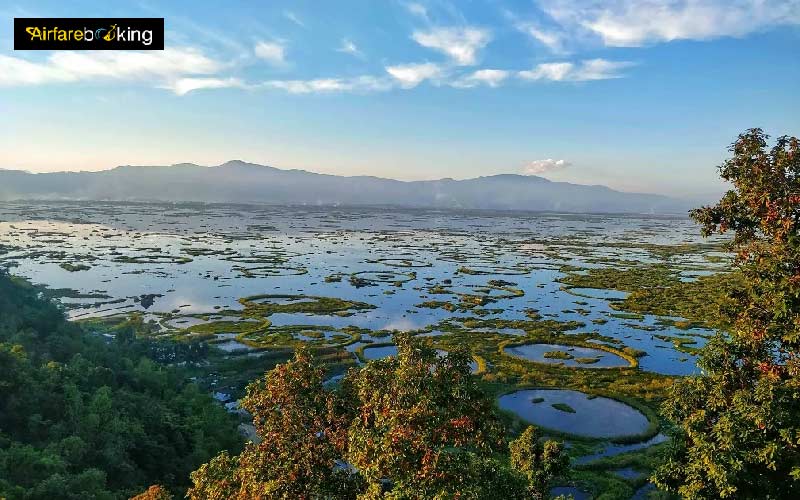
{"points": [[639, 95]]}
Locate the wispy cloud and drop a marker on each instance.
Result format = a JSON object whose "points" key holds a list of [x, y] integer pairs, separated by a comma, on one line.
{"points": [[460, 44], [291, 16], [159, 67], [590, 69], [349, 47], [538, 167], [417, 9], [272, 52], [411, 75], [550, 38], [631, 23], [330, 85], [488, 77], [183, 86], [186, 70]]}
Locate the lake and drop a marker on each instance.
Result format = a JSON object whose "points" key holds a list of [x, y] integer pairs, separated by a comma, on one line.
{"points": [[179, 263]]}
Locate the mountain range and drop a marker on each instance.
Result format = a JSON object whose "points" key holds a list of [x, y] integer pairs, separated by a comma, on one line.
{"points": [[240, 182]]}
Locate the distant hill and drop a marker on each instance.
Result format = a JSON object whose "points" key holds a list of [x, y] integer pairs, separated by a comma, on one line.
{"points": [[241, 182]]}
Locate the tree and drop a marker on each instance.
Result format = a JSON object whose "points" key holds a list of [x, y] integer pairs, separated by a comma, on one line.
{"points": [[155, 492], [415, 425], [739, 421], [423, 427], [84, 418], [303, 431], [539, 462]]}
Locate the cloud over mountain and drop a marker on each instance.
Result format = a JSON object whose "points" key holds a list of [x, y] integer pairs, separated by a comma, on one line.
{"points": [[537, 167]]}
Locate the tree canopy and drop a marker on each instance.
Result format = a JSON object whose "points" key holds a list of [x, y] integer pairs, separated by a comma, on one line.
{"points": [[415, 425], [739, 422], [85, 416]]}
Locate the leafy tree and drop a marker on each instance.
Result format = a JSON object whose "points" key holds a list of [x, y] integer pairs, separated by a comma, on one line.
{"points": [[411, 426], [81, 417], [303, 431], [155, 492], [539, 462], [422, 423], [216, 480], [739, 422]]}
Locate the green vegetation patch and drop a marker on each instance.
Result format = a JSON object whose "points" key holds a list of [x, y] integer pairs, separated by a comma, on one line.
{"points": [[267, 304], [623, 280], [557, 355], [152, 259], [74, 267], [237, 327], [493, 270], [563, 407], [296, 335], [372, 278], [658, 290], [703, 302], [275, 257], [207, 252], [267, 271]]}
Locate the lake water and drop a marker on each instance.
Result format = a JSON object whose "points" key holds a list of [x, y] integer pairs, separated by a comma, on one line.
{"points": [[180, 264], [596, 417]]}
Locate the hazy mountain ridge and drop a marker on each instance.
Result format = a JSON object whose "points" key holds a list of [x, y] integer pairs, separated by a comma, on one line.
{"points": [[241, 182]]}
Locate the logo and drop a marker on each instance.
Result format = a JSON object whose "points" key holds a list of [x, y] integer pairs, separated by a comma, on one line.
{"points": [[136, 33]]}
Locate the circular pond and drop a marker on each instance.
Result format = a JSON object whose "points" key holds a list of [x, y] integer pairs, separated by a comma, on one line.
{"points": [[373, 277], [269, 271], [575, 412], [567, 355]]}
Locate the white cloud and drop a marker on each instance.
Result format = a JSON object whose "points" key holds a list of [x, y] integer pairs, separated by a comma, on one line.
{"points": [[631, 23], [158, 67], [15, 71], [183, 86], [489, 77], [348, 47], [411, 75], [537, 167], [183, 70], [330, 85], [272, 52], [549, 71], [460, 44], [591, 69], [293, 18], [552, 39], [417, 9]]}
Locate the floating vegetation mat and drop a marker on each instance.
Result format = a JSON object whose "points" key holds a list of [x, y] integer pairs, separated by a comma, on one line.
{"points": [[373, 278], [570, 355], [269, 271]]}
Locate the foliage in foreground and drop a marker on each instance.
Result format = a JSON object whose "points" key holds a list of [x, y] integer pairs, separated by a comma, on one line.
{"points": [[411, 426], [739, 423], [86, 417]]}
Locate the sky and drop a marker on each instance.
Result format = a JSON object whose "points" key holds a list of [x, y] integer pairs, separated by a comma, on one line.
{"points": [[638, 95]]}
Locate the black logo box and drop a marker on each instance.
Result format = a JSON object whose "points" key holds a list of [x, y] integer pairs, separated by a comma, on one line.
{"points": [[126, 28]]}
